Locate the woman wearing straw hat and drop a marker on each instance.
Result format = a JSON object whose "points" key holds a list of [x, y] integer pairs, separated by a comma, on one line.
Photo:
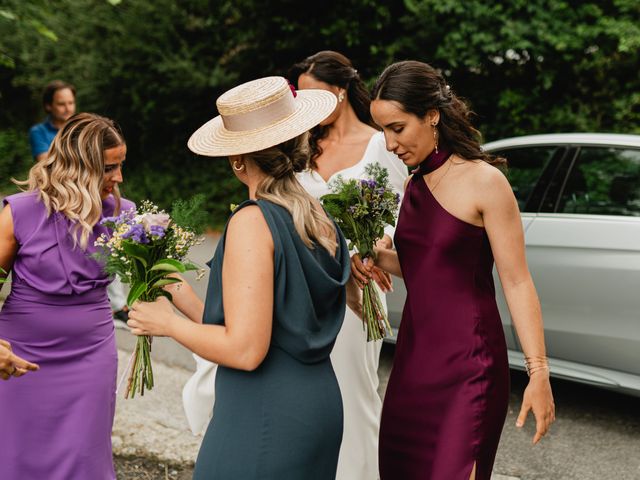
{"points": [[276, 297]]}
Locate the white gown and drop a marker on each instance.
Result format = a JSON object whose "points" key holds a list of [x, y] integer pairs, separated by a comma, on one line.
{"points": [[355, 361]]}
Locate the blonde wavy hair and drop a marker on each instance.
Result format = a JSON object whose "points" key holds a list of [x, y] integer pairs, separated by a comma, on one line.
{"points": [[70, 179], [281, 187]]}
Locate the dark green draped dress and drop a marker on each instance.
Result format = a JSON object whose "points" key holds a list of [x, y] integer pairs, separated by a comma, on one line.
{"points": [[284, 419]]}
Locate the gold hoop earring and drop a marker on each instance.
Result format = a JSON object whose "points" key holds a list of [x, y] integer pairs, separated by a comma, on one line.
{"points": [[238, 168], [340, 97], [435, 135]]}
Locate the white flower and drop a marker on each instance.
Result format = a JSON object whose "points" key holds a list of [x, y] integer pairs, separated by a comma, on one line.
{"points": [[155, 220]]}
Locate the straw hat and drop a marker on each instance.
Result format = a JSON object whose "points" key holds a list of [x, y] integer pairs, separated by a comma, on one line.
{"points": [[258, 115]]}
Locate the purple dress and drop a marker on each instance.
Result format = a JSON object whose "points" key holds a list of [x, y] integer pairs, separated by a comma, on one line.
{"points": [[448, 391], [56, 422]]}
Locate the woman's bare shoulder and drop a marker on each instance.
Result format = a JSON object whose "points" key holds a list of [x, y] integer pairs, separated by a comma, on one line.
{"points": [[482, 174], [248, 220]]}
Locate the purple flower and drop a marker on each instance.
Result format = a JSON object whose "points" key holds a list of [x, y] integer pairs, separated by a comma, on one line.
{"points": [[157, 231], [368, 184], [137, 234], [125, 216], [106, 220]]}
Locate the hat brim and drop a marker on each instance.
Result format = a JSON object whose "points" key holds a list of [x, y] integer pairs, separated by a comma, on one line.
{"points": [[311, 107]]}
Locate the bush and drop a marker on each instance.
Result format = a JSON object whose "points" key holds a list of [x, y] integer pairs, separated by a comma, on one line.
{"points": [[15, 158], [157, 67]]}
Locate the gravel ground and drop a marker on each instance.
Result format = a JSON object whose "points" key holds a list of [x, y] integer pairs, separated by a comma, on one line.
{"points": [[141, 468]]}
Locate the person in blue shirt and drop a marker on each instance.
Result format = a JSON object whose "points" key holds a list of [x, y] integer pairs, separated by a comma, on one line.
{"points": [[59, 101]]}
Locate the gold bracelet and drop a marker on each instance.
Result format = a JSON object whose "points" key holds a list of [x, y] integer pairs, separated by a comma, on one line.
{"points": [[533, 370], [535, 363]]}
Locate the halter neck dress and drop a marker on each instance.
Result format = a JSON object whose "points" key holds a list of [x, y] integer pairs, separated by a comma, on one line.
{"points": [[282, 420], [447, 395]]}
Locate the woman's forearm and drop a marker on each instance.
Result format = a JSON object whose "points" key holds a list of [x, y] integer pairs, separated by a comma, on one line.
{"points": [[526, 315], [187, 301], [213, 343], [387, 260]]}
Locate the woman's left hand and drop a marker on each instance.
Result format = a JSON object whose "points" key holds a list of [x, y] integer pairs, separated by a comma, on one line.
{"points": [[538, 398], [152, 318]]}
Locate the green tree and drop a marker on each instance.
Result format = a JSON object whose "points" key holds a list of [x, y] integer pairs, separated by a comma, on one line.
{"points": [[534, 66], [157, 67]]}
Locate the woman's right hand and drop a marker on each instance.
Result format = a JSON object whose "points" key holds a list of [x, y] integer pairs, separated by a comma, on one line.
{"points": [[155, 318], [366, 270], [12, 365], [362, 271]]}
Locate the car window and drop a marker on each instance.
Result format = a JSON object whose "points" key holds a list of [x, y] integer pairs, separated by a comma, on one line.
{"points": [[603, 181], [525, 166]]}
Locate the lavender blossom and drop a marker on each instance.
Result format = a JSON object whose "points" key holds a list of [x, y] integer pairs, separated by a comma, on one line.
{"points": [[106, 220], [157, 231], [137, 234]]}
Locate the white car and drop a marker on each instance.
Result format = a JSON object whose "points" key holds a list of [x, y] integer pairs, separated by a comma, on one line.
{"points": [[579, 196]]}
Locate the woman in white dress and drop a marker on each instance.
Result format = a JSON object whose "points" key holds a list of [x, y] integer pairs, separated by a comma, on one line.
{"points": [[344, 144]]}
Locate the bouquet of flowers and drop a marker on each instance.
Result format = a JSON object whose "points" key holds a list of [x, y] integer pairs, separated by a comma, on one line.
{"points": [[147, 245], [362, 208], [3, 272]]}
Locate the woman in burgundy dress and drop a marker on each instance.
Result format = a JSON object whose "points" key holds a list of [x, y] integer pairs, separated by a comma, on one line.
{"points": [[447, 396]]}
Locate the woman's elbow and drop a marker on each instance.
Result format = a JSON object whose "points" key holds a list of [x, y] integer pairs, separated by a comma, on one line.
{"points": [[251, 359]]}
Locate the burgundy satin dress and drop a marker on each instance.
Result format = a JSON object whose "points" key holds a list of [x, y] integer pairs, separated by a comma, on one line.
{"points": [[448, 391]]}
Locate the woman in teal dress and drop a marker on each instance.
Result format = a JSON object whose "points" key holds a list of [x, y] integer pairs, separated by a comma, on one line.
{"points": [[276, 297]]}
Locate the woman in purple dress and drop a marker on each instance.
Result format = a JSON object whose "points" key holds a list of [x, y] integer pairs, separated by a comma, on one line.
{"points": [[447, 396], [57, 422]]}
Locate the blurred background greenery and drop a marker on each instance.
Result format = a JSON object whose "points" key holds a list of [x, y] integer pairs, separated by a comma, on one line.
{"points": [[525, 66]]}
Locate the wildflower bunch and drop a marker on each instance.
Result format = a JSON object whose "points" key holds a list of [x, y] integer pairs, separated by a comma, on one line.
{"points": [[145, 247], [362, 208]]}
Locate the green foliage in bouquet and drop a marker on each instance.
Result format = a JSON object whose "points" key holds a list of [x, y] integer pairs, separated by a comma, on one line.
{"points": [[362, 208]]}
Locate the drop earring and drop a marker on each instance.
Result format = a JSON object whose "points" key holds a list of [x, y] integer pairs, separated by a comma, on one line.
{"points": [[340, 97], [435, 135]]}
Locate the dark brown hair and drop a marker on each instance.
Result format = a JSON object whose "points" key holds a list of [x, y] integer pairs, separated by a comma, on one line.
{"points": [[52, 87], [418, 87], [335, 69]]}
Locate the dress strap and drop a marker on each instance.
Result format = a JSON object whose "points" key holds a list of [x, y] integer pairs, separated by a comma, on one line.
{"points": [[245, 203], [435, 160], [268, 211]]}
